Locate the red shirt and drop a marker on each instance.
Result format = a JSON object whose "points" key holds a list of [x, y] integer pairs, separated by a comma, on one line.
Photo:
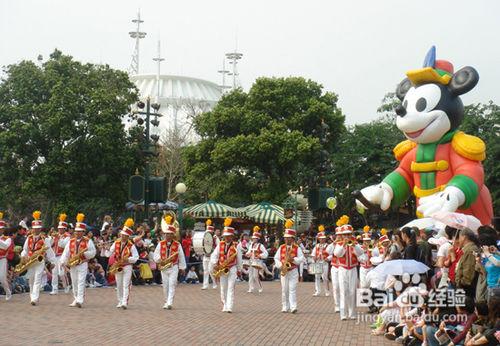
{"points": [[453, 265], [186, 246]]}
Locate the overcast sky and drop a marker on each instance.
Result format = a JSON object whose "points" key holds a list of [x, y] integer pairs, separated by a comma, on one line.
{"points": [[358, 49]]}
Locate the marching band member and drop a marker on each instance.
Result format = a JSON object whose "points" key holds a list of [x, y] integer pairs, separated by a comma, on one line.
{"points": [[36, 242], [59, 242], [6, 244], [77, 252], [334, 271], [384, 245], [288, 257], [226, 261], [206, 258], [125, 254], [170, 258], [320, 256], [350, 254], [370, 251], [256, 253]]}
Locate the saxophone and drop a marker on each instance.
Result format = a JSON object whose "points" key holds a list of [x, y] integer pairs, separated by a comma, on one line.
{"points": [[76, 259], [167, 262], [37, 256], [117, 267], [285, 267], [224, 268]]}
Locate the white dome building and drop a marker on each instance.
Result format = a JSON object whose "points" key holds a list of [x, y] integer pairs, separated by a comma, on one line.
{"points": [[180, 97]]}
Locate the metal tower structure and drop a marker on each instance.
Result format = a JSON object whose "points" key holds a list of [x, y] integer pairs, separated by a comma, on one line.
{"points": [[224, 72], [158, 60], [233, 60], [137, 35]]}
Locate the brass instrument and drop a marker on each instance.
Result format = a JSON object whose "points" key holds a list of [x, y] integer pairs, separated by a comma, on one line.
{"points": [[370, 246], [117, 267], [167, 262], [76, 259], [37, 256], [287, 265], [224, 268]]}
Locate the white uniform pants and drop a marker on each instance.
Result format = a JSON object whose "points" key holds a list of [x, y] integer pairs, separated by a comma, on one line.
{"points": [[207, 272], [3, 276], [253, 278], [123, 282], [58, 272], [78, 275], [227, 283], [34, 276], [347, 282], [169, 281], [362, 276], [324, 276], [289, 290], [335, 286]]}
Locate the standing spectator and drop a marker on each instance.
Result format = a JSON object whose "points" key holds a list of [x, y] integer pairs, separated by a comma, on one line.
{"points": [[186, 245], [409, 237], [107, 221], [465, 272]]}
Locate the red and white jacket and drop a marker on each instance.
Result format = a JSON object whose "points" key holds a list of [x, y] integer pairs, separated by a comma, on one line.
{"points": [[6, 244], [349, 256], [334, 261], [295, 253], [224, 251], [257, 250], [165, 249], [59, 243], [367, 264], [36, 242], [320, 253], [74, 245], [120, 250]]}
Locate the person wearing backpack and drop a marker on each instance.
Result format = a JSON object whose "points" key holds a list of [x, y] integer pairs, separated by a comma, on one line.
{"points": [[6, 249]]}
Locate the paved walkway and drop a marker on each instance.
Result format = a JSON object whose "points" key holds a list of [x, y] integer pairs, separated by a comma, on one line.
{"points": [[195, 319]]}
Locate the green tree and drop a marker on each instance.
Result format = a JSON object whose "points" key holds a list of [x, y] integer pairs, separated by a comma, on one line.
{"points": [[63, 146], [256, 146]]}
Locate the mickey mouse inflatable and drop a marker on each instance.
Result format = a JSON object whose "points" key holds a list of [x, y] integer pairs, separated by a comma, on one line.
{"points": [[439, 164]]}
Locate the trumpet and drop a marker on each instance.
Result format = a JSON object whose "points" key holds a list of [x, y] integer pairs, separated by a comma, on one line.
{"points": [[224, 268], [117, 267], [167, 262], [76, 259], [37, 256]]}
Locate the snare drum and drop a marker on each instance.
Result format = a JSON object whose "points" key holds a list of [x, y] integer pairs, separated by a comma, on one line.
{"points": [[315, 268], [203, 243]]}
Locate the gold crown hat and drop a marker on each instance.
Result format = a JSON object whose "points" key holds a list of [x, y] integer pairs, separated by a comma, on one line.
{"points": [[80, 225], [127, 227], [2, 222], [289, 231], [209, 226], [228, 230], [37, 222], [433, 71], [256, 232], [167, 224], [62, 221]]}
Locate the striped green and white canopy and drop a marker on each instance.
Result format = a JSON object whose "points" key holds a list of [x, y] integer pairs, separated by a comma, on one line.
{"points": [[265, 212], [212, 209]]}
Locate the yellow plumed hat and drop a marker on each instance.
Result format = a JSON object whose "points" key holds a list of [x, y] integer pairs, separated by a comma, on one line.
{"points": [[1, 215], [168, 219], [256, 228], [37, 214], [62, 217], [208, 222], [321, 228], [344, 220], [227, 221], [366, 229]]}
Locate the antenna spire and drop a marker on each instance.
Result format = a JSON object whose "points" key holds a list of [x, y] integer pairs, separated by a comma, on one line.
{"points": [[137, 35]]}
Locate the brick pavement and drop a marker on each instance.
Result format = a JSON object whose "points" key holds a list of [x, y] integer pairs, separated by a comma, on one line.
{"points": [[195, 319]]}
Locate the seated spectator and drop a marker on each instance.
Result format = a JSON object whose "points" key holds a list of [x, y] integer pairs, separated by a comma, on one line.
{"points": [[191, 277]]}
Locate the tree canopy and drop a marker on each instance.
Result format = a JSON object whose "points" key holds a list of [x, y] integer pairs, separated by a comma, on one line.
{"points": [[257, 145], [63, 146]]}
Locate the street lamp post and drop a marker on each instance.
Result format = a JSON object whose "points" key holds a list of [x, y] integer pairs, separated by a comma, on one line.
{"points": [[180, 188], [147, 150]]}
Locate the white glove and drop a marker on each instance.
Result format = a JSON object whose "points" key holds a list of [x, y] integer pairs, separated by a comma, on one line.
{"points": [[380, 194], [447, 200]]}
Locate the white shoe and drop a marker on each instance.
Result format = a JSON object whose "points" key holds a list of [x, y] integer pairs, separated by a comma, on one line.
{"points": [[229, 311], [33, 302], [315, 294], [284, 310], [343, 318], [124, 306], [73, 304], [66, 289], [79, 305], [204, 287], [260, 290], [214, 287], [165, 306], [337, 309], [352, 318], [327, 294], [249, 291], [119, 305], [53, 293], [8, 296], [294, 311]]}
